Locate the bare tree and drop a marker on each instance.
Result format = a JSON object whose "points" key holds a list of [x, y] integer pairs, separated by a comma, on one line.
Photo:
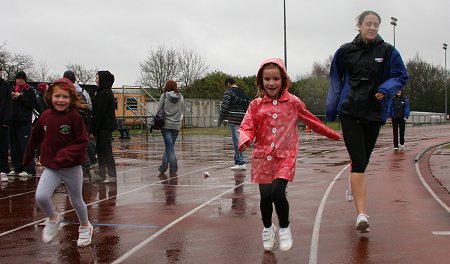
{"points": [[19, 62], [160, 66], [191, 66], [4, 55], [84, 75], [322, 70], [42, 71]]}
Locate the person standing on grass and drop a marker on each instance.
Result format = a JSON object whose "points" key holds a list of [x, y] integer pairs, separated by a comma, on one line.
{"points": [[62, 136], [234, 105], [271, 121], [364, 75]]}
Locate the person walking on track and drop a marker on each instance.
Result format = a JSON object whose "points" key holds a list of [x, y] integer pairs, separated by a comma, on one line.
{"points": [[364, 75], [271, 120], [398, 112], [63, 139]]}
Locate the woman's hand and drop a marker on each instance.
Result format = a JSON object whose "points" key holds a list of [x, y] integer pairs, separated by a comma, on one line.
{"points": [[379, 96]]}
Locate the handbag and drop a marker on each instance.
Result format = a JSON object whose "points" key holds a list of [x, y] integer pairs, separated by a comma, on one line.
{"points": [[159, 118]]}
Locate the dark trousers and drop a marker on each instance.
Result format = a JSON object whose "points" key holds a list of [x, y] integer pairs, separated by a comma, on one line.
{"points": [[398, 124], [360, 138], [274, 193], [4, 148], [19, 136], [106, 161]]}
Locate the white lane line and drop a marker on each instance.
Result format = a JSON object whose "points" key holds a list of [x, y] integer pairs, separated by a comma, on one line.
{"points": [[427, 187], [109, 198], [441, 233], [170, 225], [316, 230]]}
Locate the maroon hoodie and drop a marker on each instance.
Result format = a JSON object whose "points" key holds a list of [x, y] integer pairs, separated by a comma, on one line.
{"points": [[63, 139]]}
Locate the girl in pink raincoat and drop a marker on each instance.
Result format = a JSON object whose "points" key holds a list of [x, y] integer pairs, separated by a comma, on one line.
{"points": [[271, 120]]}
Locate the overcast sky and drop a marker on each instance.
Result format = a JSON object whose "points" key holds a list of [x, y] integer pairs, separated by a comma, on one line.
{"points": [[233, 36]]}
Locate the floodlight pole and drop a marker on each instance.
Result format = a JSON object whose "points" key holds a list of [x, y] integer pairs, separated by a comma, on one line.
{"points": [[285, 45], [394, 24], [444, 46]]}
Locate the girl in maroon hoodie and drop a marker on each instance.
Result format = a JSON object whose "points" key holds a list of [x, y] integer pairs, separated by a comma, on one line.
{"points": [[61, 133]]}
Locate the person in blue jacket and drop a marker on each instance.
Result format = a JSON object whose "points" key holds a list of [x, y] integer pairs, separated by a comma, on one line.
{"points": [[364, 75], [398, 112]]}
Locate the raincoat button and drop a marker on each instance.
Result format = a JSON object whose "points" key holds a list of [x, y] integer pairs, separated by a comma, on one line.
{"points": [[274, 116], [269, 157], [274, 102], [272, 145], [274, 130]]}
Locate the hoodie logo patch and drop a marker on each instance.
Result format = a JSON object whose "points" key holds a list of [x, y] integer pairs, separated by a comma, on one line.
{"points": [[64, 129], [378, 59]]}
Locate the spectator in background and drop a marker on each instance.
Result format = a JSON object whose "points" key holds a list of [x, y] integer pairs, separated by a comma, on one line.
{"points": [[103, 124], [23, 103], [398, 112], [234, 105], [5, 119]]}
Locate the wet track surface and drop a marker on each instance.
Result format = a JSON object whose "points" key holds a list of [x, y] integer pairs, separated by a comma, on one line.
{"points": [[190, 218]]}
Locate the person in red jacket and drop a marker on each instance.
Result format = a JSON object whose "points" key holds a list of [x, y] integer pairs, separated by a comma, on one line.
{"points": [[271, 120], [61, 133]]}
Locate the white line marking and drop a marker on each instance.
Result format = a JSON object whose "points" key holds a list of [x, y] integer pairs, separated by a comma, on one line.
{"points": [[433, 194], [170, 225], [441, 233]]}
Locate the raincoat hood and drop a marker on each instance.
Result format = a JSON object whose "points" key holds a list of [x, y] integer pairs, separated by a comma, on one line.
{"points": [[280, 63], [105, 80], [173, 97]]}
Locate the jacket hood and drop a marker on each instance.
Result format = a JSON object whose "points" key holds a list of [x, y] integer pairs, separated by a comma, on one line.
{"points": [[105, 80], [173, 97], [278, 62]]}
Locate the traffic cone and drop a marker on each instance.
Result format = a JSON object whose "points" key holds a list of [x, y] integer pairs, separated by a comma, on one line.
{"points": [[307, 129]]}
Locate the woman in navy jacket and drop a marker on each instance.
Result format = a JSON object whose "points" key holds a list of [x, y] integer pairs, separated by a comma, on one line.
{"points": [[364, 75], [398, 112]]}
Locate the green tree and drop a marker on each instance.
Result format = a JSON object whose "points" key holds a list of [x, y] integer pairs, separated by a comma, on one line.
{"points": [[209, 87], [425, 89]]}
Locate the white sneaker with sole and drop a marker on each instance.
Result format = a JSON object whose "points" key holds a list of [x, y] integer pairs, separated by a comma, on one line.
{"points": [[85, 235], [50, 230], [12, 173], [4, 177], [24, 174], [362, 223], [268, 237], [238, 167], [285, 237], [349, 194]]}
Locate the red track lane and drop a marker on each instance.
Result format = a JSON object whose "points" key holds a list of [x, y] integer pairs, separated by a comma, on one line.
{"points": [[148, 218]]}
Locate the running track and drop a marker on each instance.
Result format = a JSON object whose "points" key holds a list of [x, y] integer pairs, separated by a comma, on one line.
{"points": [[149, 218]]}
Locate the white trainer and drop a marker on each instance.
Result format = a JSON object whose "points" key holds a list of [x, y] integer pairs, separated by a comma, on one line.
{"points": [[85, 235], [349, 194], [4, 177], [239, 167], [268, 237], [402, 146], [24, 174], [362, 223], [12, 173], [285, 237], [50, 230]]}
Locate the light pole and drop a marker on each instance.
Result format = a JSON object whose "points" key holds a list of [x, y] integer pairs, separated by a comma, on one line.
{"points": [[444, 46], [394, 24], [285, 49]]}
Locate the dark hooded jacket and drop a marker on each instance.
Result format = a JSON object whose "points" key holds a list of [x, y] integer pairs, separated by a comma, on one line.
{"points": [[5, 103], [358, 71], [103, 106]]}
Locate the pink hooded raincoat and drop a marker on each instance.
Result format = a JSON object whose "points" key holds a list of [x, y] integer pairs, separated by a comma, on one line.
{"points": [[273, 125]]}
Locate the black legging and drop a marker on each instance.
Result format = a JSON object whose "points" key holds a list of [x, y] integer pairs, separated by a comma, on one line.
{"points": [[106, 161], [360, 138], [396, 125], [274, 193]]}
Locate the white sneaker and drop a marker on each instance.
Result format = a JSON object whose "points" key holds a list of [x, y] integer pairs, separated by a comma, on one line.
{"points": [[4, 177], [12, 173], [50, 230], [85, 236], [268, 237], [285, 237], [238, 167], [362, 223], [349, 194], [402, 146], [395, 148], [24, 174]]}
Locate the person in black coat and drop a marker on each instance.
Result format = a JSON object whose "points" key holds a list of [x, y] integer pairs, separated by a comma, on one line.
{"points": [[103, 124], [5, 119]]}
